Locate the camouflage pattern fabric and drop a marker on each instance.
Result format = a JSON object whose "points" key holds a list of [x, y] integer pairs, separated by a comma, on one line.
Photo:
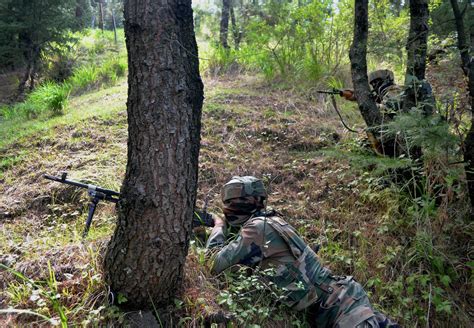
{"points": [[270, 242], [239, 210], [381, 74], [243, 187], [392, 98]]}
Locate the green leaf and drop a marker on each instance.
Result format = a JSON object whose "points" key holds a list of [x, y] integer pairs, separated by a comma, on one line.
{"points": [[121, 299]]}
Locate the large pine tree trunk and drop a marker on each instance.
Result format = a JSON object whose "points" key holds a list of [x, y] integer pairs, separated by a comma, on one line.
{"points": [[358, 57], [224, 27], [146, 255]]}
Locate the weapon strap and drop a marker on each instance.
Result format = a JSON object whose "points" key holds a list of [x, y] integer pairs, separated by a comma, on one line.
{"points": [[333, 99]]}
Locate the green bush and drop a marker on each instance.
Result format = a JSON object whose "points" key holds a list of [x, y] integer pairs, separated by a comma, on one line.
{"points": [[83, 78], [51, 97]]}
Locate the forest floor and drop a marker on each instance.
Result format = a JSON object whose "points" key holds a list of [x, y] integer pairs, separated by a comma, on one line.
{"points": [[315, 172]]}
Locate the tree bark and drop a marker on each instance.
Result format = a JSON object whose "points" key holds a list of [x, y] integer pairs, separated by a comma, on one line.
{"points": [[358, 56], [463, 46], [417, 40], [416, 61], [236, 33], [224, 26], [101, 15], [145, 257], [467, 65], [114, 25]]}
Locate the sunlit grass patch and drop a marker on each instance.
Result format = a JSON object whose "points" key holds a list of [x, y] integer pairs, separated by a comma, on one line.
{"points": [[99, 103]]}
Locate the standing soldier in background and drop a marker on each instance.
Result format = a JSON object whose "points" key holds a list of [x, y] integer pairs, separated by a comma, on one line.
{"points": [[267, 241]]}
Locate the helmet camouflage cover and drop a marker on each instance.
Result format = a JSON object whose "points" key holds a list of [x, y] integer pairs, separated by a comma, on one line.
{"points": [[246, 186], [382, 74]]}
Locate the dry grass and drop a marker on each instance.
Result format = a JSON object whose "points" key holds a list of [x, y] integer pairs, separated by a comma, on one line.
{"points": [[249, 128]]}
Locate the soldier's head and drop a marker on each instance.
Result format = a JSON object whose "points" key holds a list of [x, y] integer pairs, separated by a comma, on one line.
{"points": [[242, 197], [381, 79]]}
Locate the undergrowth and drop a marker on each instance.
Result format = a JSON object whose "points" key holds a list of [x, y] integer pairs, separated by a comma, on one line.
{"points": [[400, 228], [101, 63]]}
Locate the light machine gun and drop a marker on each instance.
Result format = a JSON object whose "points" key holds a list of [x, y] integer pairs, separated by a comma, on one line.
{"points": [[96, 194]]}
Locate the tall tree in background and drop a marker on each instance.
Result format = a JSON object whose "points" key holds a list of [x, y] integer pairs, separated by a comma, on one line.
{"points": [[417, 40], [236, 31], [416, 54], [467, 65], [358, 57], [83, 13], [224, 26], [32, 25], [145, 257], [101, 14]]}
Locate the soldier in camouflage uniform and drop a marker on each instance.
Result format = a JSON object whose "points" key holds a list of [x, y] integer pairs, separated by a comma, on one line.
{"points": [[267, 241], [388, 95]]}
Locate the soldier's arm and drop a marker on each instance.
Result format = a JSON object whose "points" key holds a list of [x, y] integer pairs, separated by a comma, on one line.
{"points": [[218, 235], [245, 250], [348, 94]]}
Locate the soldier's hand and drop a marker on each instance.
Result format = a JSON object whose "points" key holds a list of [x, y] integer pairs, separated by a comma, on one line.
{"points": [[348, 94], [219, 221]]}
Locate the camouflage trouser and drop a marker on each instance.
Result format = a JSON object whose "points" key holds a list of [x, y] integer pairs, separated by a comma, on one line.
{"points": [[378, 321], [346, 305]]}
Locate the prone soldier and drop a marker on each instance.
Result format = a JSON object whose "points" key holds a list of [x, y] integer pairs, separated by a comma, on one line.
{"points": [[266, 240]]}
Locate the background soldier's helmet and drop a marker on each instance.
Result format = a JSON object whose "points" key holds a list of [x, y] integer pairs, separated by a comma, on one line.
{"points": [[382, 75], [240, 187]]}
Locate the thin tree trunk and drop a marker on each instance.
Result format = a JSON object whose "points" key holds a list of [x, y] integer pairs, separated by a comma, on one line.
{"points": [[224, 26], [358, 57], [463, 46], [26, 77], [236, 33], [416, 60], [114, 25], [467, 65], [146, 255], [417, 40], [101, 15]]}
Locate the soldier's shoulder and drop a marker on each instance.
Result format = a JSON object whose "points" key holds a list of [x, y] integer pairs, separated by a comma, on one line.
{"points": [[395, 88], [261, 221]]}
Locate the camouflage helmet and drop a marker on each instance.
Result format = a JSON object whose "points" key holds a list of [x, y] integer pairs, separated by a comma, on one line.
{"points": [[246, 186], [382, 74]]}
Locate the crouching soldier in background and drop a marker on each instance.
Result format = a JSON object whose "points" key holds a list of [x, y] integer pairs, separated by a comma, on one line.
{"points": [[267, 241], [392, 98]]}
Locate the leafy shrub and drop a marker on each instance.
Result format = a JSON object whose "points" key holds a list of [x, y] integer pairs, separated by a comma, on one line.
{"points": [[48, 97], [51, 97], [222, 61], [83, 79], [253, 300]]}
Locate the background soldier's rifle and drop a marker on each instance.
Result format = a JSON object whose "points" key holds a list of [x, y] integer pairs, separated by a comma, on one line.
{"points": [[97, 194], [347, 94]]}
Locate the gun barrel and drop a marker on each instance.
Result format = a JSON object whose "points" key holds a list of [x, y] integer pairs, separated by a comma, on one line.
{"points": [[82, 185], [331, 92]]}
